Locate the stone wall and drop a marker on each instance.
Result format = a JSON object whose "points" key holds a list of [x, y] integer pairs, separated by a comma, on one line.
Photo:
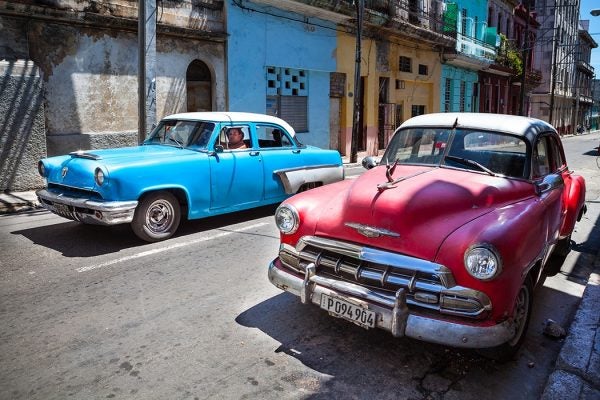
{"points": [[69, 75], [22, 131]]}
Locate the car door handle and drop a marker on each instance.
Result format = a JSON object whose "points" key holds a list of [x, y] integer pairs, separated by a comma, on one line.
{"points": [[296, 151], [254, 153]]}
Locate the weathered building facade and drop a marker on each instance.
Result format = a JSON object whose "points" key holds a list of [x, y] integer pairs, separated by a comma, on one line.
{"points": [[554, 99], [401, 45], [473, 53], [85, 54], [584, 74], [506, 84]]}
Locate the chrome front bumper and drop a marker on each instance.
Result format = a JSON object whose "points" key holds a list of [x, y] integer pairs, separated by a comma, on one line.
{"points": [[86, 210], [392, 315]]}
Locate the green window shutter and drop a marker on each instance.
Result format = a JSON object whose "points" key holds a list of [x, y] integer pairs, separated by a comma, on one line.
{"points": [[491, 36], [450, 18]]}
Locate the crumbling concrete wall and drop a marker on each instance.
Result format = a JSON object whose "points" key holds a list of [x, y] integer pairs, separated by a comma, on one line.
{"points": [[22, 136], [79, 89]]}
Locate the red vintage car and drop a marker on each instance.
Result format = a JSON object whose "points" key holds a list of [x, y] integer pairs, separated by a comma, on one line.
{"points": [[444, 239]]}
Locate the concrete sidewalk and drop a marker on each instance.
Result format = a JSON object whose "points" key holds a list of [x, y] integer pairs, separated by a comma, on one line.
{"points": [[11, 202], [576, 374]]}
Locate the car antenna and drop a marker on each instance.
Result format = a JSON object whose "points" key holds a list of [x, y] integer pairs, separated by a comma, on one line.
{"points": [[455, 123]]}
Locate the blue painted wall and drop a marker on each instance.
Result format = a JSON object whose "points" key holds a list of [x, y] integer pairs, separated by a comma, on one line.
{"points": [[266, 36], [456, 75]]}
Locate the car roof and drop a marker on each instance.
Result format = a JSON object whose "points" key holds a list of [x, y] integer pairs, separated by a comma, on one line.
{"points": [[514, 124], [232, 117]]}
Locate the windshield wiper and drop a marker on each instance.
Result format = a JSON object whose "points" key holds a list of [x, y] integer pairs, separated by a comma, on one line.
{"points": [[466, 161], [176, 141]]}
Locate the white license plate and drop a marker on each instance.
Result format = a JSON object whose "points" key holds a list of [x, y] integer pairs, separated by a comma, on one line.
{"points": [[61, 209], [343, 309]]}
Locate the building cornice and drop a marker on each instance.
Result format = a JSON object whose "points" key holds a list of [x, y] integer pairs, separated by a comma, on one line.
{"points": [[97, 20]]}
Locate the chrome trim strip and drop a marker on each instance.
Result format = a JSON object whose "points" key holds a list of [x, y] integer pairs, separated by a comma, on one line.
{"points": [[306, 167], [371, 231], [389, 313], [293, 178], [84, 154]]}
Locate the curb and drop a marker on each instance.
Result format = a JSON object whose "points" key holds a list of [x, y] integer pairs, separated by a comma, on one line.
{"points": [[11, 202], [577, 370]]}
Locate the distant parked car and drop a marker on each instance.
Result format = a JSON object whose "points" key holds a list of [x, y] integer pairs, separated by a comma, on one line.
{"points": [[444, 239], [185, 168]]}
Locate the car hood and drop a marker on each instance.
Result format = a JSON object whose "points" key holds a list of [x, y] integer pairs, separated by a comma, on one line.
{"points": [[419, 211], [77, 169], [130, 154]]}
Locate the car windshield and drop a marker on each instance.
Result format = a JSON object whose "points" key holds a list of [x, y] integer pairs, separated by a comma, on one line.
{"points": [[495, 153], [182, 133]]}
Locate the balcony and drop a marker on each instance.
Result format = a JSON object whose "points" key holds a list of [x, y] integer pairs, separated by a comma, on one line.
{"points": [[585, 67], [394, 17]]}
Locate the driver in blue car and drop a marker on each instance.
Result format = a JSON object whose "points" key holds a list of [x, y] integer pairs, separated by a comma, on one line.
{"points": [[235, 139]]}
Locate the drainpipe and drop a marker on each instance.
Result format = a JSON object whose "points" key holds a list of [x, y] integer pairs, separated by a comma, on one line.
{"points": [[360, 7], [525, 57], [146, 67]]}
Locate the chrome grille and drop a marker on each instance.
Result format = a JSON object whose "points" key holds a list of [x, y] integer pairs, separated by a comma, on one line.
{"points": [[428, 285], [73, 191]]}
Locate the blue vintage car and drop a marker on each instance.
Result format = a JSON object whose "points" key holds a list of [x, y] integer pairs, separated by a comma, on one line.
{"points": [[186, 166]]}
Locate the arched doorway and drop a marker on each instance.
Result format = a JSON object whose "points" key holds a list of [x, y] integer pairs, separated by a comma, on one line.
{"points": [[199, 87]]}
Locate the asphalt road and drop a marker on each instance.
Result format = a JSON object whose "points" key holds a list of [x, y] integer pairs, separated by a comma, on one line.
{"points": [[93, 313]]}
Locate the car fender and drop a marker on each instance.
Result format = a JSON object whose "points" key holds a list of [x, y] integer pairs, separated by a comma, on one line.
{"points": [[519, 233], [293, 178], [574, 204]]}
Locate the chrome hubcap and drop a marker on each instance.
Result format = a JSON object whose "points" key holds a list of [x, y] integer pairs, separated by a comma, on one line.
{"points": [[159, 217], [521, 311]]}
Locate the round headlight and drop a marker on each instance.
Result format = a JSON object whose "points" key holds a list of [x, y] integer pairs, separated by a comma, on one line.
{"points": [[287, 219], [99, 177], [42, 169], [482, 262]]}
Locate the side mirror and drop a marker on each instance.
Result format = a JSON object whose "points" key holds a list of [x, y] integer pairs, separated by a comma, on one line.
{"points": [[549, 183], [370, 162]]}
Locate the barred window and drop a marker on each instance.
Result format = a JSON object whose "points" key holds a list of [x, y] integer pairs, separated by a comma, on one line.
{"points": [[287, 96], [463, 86], [405, 64], [447, 95], [423, 69], [417, 110]]}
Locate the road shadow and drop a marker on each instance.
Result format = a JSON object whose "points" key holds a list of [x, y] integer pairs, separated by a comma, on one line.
{"points": [[373, 364], [593, 152], [74, 239]]}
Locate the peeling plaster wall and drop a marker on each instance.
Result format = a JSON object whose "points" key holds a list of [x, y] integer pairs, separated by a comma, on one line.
{"points": [[22, 139], [92, 87], [173, 59], [83, 89]]}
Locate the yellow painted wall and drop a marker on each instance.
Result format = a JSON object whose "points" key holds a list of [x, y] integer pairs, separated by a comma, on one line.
{"points": [[418, 90]]}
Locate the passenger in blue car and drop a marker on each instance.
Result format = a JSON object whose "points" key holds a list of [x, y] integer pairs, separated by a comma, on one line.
{"points": [[235, 139]]}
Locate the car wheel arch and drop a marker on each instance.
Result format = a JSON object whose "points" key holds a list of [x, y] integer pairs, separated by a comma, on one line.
{"points": [[180, 194]]}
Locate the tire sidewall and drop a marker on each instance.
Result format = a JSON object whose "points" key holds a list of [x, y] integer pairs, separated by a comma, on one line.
{"points": [[139, 224]]}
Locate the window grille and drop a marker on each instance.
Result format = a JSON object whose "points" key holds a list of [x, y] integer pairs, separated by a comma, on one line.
{"points": [[405, 64], [287, 96]]}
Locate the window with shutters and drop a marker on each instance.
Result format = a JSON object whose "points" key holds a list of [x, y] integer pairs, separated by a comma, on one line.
{"points": [[447, 95], [462, 96], [287, 96]]}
